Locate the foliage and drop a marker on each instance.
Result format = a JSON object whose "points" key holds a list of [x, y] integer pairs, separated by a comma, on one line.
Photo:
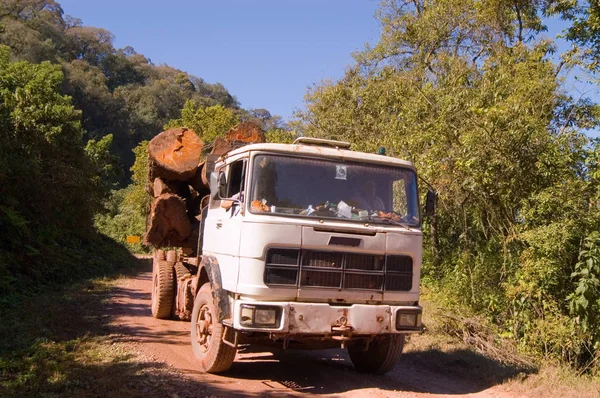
{"points": [[104, 162], [118, 91], [584, 29], [208, 122], [584, 302], [281, 136], [465, 91], [51, 183], [126, 208], [46, 174]]}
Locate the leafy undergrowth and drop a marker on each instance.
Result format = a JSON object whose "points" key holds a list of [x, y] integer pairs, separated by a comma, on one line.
{"points": [[59, 343], [42, 264], [466, 346]]}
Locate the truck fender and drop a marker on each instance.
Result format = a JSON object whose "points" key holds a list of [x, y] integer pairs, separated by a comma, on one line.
{"points": [[209, 271]]}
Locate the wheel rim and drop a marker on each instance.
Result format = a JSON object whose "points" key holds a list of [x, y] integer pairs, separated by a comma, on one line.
{"points": [[204, 328]]}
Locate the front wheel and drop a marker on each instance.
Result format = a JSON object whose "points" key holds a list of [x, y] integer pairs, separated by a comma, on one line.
{"points": [[213, 355], [380, 356]]}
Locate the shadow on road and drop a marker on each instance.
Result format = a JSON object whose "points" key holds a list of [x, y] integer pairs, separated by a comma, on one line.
{"points": [[331, 372]]}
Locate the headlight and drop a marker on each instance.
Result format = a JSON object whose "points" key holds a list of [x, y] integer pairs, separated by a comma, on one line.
{"points": [[265, 317], [408, 319], [256, 316]]}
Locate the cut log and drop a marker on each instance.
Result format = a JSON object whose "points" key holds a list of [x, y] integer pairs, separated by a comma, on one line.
{"points": [[191, 242], [174, 155], [247, 132], [198, 182], [178, 175], [169, 224], [160, 187], [221, 147]]}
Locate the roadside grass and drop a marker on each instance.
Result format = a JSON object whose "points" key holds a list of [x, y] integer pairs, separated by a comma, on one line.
{"points": [[58, 343], [466, 346], [556, 380]]}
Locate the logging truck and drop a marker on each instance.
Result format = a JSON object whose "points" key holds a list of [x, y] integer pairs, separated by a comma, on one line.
{"points": [[303, 245]]}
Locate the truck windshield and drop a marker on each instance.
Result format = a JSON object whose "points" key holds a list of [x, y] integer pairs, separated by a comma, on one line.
{"points": [[334, 189]]}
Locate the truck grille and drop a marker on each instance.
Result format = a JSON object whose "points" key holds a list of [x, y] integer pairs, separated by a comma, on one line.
{"points": [[310, 268]]}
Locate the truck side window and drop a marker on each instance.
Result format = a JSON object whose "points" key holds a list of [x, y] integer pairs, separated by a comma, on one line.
{"points": [[236, 178]]}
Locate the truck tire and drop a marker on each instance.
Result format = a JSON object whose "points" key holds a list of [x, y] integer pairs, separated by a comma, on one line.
{"points": [[381, 355], [213, 355], [163, 288], [171, 256]]}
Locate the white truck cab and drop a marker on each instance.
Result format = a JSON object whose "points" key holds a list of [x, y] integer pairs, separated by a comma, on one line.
{"points": [[306, 245]]}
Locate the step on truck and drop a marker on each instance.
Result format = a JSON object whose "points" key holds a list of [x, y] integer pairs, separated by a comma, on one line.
{"points": [[303, 245]]}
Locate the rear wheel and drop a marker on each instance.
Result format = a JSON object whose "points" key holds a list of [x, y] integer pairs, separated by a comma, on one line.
{"points": [[213, 355], [380, 356], [163, 288]]}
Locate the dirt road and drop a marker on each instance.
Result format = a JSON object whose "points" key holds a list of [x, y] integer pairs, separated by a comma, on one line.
{"points": [[291, 373]]}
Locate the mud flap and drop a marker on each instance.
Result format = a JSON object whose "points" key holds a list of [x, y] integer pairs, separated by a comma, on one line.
{"points": [[220, 298]]}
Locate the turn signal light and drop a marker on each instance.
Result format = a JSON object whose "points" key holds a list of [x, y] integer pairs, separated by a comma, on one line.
{"points": [[408, 320]]}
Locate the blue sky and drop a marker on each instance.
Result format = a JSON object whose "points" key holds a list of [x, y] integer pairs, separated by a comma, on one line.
{"points": [[265, 52]]}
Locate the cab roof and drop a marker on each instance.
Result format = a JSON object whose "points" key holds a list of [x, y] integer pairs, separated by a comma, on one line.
{"points": [[320, 151]]}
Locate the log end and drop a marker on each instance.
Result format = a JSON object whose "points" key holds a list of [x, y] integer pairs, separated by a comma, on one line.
{"points": [[169, 224], [175, 154]]}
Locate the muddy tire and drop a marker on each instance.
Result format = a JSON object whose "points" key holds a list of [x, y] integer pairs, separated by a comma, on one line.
{"points": [[163, 288], [213, 355], [171, 256], [381, 355]]}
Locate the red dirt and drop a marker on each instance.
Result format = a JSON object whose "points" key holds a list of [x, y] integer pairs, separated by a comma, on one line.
{"points": [[292, 373]]}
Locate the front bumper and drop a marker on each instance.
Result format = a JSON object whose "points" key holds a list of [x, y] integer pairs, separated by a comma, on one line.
{"points": [[324, 319]]}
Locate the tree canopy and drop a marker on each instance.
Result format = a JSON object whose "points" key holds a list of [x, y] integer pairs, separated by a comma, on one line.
{"points": [[118, 91]]}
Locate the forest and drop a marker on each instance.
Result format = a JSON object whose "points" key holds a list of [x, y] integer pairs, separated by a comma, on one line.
{"points": [[473, 92], [75, 113]]}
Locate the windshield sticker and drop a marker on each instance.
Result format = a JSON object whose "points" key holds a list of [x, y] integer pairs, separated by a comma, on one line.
{"points": [[340, 172]]}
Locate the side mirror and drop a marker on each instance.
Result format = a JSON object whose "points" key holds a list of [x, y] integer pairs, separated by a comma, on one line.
{"points": [[222, 185], [430, 203], [218, 185], [214, 185]]}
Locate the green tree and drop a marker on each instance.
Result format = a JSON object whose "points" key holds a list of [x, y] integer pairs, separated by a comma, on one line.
{"points": [[42, 149], [126, 209], [584, 28], [209, 122], [119, 91], [281, 136], [33, 29]]}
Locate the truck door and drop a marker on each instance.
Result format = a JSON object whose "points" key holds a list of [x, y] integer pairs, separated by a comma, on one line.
{"points": [[223, 224]]}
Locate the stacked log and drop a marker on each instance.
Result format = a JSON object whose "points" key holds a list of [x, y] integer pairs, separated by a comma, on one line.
{"points": [[178, 176]]}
